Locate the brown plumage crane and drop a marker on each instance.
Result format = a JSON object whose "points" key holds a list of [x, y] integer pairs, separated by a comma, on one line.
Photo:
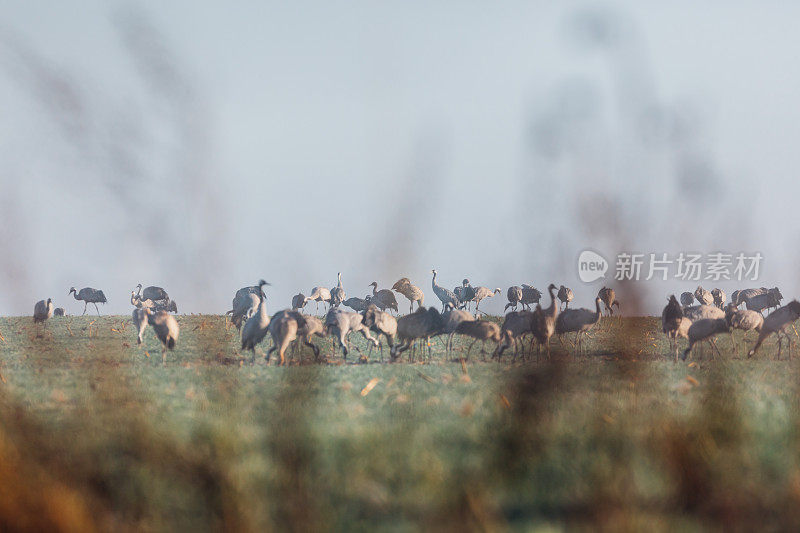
{"points": [[384, 299], [410, 291]]}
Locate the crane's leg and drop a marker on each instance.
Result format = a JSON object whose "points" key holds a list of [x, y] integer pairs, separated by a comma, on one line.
{"points": [[470, 348], [715, 347], [164, 355], [98, 309], [84, 307]]}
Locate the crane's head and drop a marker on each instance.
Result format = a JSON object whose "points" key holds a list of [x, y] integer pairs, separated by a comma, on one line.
{"points": [[261, 283], [139, 286], [49, 301], [433, 271], [465, 282], [551, 287], [375, 283], [71, 290], [497, 291]]}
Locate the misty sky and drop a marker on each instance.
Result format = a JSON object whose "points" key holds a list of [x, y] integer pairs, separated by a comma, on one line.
{"points": [[201, 147]]}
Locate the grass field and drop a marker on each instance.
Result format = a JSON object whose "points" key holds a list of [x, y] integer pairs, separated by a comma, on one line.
{"points": [[96, 433]]}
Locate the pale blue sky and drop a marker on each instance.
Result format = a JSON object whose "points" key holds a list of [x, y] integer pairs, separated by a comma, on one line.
{"points": [[202, 147]]}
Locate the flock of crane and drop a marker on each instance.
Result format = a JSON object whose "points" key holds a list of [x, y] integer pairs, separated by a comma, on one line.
{"points": [[373, 314]]}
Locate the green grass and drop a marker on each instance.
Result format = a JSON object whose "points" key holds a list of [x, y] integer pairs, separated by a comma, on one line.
{"points": [[99, 433]]}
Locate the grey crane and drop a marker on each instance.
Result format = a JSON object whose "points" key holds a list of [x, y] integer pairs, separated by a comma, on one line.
{"points": [[515, 326], [703, 296], [170, 306], [765, 300], [465, 293], [257, 325], [530, 295], [89, 296], [609, 299], [421, 324], [283, 328], [384, 299], [479, 330], [735, 298], [579, 321], [152, 293], [381, 323], [410, 291], [777, 322], [42, 310], [451, 318], [166, 329], [313, 327], [687, 299], [514, 295], [299, 301], [674, 324], [544, 322], [356, 304], [320, 294], [704, 330], [159, 305], [566, 295], [481, 293], [139, 323], [244, 305], [698, 312], [445, 295], [738, 297], [340, 323], [746, 320], [337, 293], [719, 297]]}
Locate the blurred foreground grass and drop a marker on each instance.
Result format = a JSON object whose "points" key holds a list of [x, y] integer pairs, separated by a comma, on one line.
{"points": [[96, 434]]}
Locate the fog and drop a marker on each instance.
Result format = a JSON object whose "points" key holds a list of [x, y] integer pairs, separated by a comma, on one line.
{"points": [[201, 148]]}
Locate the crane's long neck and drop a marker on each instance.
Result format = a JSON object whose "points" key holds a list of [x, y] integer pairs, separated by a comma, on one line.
{"points": [[75, 295], [339, 276], [374, 290], [552, 310], [433, 281]]}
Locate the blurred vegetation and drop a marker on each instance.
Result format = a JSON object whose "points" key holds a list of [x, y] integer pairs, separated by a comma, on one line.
{"points": [[97, 434]]}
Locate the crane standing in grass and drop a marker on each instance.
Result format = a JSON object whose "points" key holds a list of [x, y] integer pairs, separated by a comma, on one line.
{"points": [[256, 327], [609, 299], [166, 329], [543, 323], [530, 295], [481, 293], [514, 295], [337, 293], [89, 296], [746, 320], [674, 324], [777, 322], [410, 291], [42, 311], [704, 330], [578, 320], [566, 295], [384, 299], [465, 293], [446, 296], [320, 294]]}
